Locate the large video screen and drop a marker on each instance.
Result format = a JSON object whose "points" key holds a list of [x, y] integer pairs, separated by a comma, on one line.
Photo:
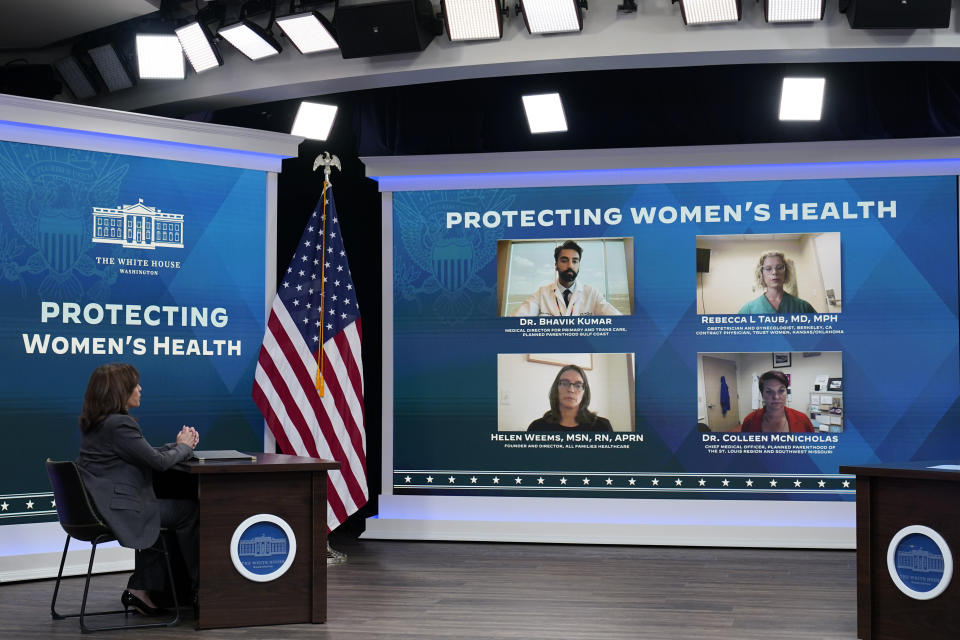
{"points": [[698, 340]]}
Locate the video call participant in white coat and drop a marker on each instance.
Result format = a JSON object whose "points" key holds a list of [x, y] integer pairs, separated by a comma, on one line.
{"points": [[565, 296]]}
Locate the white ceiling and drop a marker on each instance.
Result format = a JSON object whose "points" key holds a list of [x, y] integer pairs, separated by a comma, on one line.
{"points": [[32, 24]]}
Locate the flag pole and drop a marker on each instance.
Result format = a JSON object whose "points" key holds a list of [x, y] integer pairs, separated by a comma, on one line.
{"points": [[284, 389], [328, 162]]}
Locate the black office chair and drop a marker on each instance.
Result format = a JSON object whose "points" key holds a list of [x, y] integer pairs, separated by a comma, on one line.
{"points": [[79, 518]]}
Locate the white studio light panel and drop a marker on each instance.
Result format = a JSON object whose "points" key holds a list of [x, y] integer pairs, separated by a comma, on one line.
{"points": [[249, 39], [793, 10], [309, 32], [80, 85], [544, 113], [551, 16], [801, 98], [473, 19], [198, 48], [160, 57], [710, 11], [112, 71], [314, 120]]}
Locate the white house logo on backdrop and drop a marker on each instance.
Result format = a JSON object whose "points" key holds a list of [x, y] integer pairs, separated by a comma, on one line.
{"points": [[137, 226]]}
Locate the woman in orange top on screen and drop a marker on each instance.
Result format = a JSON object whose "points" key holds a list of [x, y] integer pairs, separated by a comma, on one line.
{"points": [[776, 416]]}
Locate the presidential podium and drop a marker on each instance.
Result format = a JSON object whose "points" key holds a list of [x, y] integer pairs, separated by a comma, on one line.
{"points": [[895, 501], [285, 493]]}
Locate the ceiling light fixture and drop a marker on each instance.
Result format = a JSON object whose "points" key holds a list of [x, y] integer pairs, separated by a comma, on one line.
{"points": [[544, 113], [77, 80], [314, 120], [310, 32], [160, 56], [709, 11], [793, 10], [251, 39], [802, 98], [198, 46], [473, 19], [111, 67], [553, 16]]}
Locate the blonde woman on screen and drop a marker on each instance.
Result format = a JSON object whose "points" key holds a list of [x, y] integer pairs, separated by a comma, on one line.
{"points": [[771, 274]]}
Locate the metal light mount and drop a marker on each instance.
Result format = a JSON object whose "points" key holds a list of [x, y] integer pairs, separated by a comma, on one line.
{"points": [[214, 11], [257, 7]]}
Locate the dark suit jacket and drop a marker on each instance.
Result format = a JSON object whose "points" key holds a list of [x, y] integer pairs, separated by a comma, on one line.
{"points": [[117, 466]]}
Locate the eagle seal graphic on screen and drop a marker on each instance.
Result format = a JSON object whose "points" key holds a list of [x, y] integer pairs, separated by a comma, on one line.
{"points": [[47, 193], [442, 267]]}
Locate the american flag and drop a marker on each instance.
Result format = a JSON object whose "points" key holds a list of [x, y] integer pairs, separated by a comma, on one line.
{"points": [[317, 298]]}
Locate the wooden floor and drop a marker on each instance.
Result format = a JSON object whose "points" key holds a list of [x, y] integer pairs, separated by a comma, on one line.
{"points": [[425, 590]]}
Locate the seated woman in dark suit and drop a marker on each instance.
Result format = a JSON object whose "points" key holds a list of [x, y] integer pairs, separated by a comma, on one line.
{"points": [[117, 466], [569, 405]]}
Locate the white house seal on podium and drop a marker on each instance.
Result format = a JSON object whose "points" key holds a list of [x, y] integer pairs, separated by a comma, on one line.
{"points": [[263, 547], [919, 562]]}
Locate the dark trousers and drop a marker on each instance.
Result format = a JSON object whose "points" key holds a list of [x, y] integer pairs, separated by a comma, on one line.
{"points": [[179, 517]]}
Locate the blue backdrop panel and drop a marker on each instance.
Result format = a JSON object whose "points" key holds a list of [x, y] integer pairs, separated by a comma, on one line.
{"points": [[177, 291], [897, 335]]}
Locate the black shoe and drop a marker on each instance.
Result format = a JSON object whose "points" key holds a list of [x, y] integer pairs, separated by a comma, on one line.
{"points": [[128, 600]]}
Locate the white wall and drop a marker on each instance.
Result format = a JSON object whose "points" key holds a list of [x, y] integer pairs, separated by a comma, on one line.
{"points": [[827, 246], [743, 395], [523, 389]]}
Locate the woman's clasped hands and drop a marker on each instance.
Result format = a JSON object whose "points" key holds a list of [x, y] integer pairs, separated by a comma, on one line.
{"points": [[188, 436]]}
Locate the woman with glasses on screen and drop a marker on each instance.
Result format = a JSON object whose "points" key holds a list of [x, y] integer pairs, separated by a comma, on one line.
{"points": [[569, 405], [771, 274], [775, 416]]}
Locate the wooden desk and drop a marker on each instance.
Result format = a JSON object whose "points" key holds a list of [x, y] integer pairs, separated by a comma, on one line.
{"points": [[889, 498], [289, 487]]}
